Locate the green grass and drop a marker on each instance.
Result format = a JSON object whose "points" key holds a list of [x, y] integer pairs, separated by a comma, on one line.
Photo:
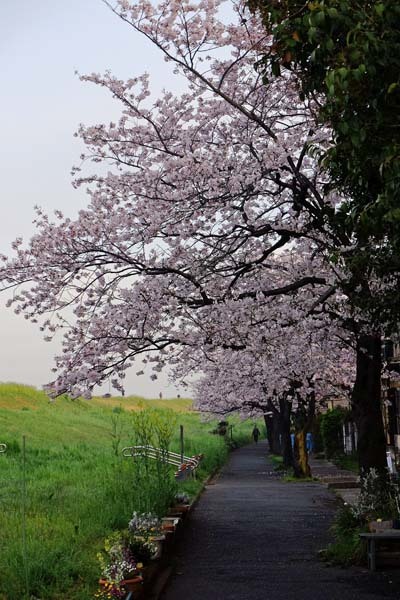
{"points": [[348, 462], [277, 462], [78, 490]]}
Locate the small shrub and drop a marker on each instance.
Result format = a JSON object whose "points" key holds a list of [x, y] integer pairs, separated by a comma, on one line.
{"points": [[331, 432], [182, 498], [346, 520], [347, 548]]}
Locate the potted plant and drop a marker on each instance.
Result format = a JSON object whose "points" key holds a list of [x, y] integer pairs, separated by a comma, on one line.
{"points": [[120, 570], [181, 503], [145, 536]]}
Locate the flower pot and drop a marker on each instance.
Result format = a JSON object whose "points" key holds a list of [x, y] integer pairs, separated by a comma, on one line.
{"points": [[133, 584], [170, 521], [181, 508], [157, 538]]}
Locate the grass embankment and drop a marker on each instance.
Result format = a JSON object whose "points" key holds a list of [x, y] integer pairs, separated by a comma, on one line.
{"points": [[79, 488]]}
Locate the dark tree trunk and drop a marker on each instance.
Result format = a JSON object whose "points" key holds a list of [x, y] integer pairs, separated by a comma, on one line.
{"points": [[272, 422], [277, 435], [366, 401], [287, 452], [269, 427], [273, 432]]}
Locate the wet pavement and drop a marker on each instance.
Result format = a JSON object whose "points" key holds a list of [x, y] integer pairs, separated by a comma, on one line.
{"points": [[253, 536]]}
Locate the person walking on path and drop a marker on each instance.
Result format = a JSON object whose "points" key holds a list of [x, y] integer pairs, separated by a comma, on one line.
{"points": [[255, 433]]}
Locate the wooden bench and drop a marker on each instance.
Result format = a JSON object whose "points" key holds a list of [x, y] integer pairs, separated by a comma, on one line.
{"points": [[389, 535]]}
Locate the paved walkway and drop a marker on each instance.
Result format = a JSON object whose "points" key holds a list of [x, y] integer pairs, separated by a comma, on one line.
{"points": [[344, 483], [255, 537]]}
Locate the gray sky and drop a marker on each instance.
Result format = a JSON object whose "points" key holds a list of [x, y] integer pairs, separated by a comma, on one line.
{"points": [[42, 102]]}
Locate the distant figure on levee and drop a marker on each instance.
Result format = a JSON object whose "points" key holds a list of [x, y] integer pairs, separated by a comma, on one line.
{"points": [[255, 433]]}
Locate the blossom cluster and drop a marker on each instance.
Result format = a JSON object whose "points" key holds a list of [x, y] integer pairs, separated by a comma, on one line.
{"points": [[117, 563], [144, 524]]}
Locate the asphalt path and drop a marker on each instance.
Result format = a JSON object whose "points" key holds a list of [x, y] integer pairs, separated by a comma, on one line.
{"points": [[253, 536]]}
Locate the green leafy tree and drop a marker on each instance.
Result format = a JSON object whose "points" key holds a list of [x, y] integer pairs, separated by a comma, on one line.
{"points": [[346, 54]]}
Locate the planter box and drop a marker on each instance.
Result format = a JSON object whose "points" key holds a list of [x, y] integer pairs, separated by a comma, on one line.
{"points": [[169, 523], [377, 526]]}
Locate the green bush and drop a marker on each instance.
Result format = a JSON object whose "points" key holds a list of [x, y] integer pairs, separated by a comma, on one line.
{"points": [[332, 432], [347, 548], [345, 520]]}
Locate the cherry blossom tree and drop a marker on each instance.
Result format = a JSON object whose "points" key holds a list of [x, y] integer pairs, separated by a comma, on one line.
{"points": [[286, 369], [201, 191], [194, 199]]}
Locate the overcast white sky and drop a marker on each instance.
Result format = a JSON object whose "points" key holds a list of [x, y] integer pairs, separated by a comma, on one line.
{"points": [[42, 102]]}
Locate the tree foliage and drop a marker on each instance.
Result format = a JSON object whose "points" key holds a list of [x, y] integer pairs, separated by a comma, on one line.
{"points": [[346, 55]]}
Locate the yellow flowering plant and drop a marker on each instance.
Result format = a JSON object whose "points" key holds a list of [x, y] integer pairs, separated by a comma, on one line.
{"points": [[117, 563]]}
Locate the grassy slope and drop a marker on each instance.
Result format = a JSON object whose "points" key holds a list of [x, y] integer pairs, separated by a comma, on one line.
{"points": [[25, 410], [78, 491]]}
